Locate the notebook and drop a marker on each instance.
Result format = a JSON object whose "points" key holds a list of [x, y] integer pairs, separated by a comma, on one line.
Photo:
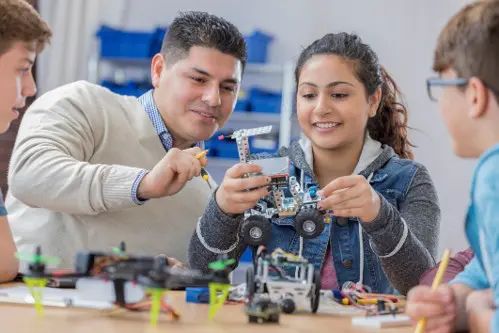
{"points": [[382, 321], [51, 297]]}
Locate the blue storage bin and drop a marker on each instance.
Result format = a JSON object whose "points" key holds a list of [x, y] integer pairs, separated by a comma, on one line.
{"points": [[265, 101], [136, 88], [141, 90], [117, 43], [211, 145], [131, 88], [258, 44], [247, 256], [227, 149], [266, 104], [197, 295], [114, 87], [108, 84], [242, 105], [159, 35]]}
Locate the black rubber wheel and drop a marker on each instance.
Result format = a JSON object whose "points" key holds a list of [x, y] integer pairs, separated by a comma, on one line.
{"points": [[316, 293], [250, 282], [288, 306], [309, 223], [253, 319], [274, 318], [256, 230]]}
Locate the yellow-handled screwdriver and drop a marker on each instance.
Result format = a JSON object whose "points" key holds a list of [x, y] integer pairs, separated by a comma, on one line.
{"points": [[204, 173]]}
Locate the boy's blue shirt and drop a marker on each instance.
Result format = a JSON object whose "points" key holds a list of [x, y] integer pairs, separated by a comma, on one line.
{"points": [[482, 229]]}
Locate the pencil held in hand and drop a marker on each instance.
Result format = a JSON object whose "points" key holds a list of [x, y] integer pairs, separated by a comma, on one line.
{"points": [[436, 282]]}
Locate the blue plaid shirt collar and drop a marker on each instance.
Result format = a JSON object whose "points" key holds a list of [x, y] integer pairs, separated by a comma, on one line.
{"points": [[152, 111]]}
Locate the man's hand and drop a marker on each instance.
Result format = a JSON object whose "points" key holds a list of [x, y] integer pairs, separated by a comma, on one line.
{"points": [[173, 263], [437, 306], [237, 194], [171, 174]]}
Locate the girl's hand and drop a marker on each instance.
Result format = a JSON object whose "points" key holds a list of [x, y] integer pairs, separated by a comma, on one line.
{"points": [[351, 196], [237, 194]]}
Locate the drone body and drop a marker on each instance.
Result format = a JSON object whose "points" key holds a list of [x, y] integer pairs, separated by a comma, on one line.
{"points": [[152, 274]]}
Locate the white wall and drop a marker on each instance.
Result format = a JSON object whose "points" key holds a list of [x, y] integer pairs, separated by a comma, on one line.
{"points": [[403, 33]]}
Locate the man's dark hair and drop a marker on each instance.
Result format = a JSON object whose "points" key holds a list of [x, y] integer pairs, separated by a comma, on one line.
{"points": [[202, 29]]}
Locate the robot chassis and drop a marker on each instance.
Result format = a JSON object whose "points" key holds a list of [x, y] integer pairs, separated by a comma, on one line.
{"points": [[286, 199]]}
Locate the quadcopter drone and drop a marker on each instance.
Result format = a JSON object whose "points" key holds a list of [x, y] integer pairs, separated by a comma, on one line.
{"points": [[287, 197], [146, 275]]}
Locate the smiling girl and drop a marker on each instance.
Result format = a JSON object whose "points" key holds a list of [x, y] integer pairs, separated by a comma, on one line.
{"points": [[385, 213]]}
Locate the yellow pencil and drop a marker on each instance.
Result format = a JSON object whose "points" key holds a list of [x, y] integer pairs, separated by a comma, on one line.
{"points": [[367, 301], [436, 282]]}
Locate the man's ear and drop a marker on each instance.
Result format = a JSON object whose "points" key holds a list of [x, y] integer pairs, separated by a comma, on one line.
{"points": [[374, 102], [477, 97], [157, 66]]}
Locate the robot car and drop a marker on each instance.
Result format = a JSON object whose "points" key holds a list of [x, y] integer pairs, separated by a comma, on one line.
{"points": [[291, 293], [287, 198]]}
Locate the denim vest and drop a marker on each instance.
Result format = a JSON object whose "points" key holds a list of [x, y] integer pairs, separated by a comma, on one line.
{"points": [[392, 181]]}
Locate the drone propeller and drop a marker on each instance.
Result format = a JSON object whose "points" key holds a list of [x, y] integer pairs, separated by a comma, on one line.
{"points": [[37, 279], [221, 264], [121, 251], [37, 257]]}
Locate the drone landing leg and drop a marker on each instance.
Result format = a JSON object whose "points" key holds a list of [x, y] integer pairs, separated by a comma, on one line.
{"points": [[35, 286], [119, 290], [156, 300], [216, 300]]}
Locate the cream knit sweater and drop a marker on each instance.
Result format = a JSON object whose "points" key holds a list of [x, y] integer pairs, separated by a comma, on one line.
{"points": [[78, 151]]}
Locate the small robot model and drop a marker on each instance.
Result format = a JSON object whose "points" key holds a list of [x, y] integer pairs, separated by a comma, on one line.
{"points": [[287, 198], [291, 293]]}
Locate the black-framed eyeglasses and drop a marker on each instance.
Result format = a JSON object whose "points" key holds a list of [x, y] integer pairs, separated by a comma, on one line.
{"points": [[434, 86]]}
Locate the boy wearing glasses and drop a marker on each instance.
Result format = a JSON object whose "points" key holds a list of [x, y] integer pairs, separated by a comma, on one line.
{"points": [[466, 58]]}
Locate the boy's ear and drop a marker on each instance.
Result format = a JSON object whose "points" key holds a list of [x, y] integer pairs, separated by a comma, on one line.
{"points": [[477, 97]]}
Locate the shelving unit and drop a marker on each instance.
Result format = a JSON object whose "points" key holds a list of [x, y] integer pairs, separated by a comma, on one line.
{"points": [[239, 119]]}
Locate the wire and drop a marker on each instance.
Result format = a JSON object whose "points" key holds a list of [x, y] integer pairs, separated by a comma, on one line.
{"points": [[361, 255], [361, 244], [355, 293]]}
